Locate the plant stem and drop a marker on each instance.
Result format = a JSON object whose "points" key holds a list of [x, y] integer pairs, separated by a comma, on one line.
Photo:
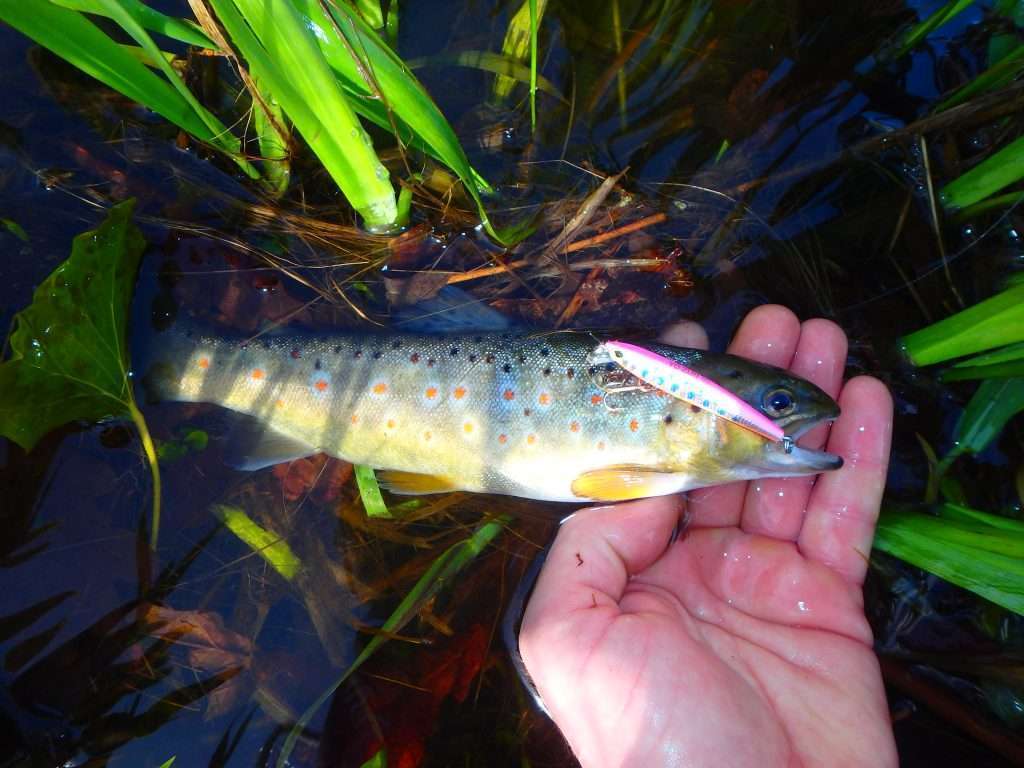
{"points": [[154, 468]]}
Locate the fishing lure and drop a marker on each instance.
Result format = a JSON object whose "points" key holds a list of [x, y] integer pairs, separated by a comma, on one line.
{"points": [[684, 383]]}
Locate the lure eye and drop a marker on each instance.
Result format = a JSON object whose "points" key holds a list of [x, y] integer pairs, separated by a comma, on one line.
{"points": [[779, 402]]}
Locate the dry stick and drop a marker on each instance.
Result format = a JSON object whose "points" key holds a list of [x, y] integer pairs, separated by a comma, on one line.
{"points": [[625, 229], [577, 298], [936, 227], [900, 222]]}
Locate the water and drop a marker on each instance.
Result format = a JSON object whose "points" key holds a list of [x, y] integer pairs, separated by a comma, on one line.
{"points": [[773, 145]]}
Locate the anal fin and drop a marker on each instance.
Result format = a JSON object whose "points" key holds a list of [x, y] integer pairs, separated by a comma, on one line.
{"points": [[414, 483], [623, 482], [252, 445]]}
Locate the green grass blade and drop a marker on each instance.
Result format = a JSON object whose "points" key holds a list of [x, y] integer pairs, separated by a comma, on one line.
{"points": [[999, 74], [992, 323], [988, 177], [404, 94], [962, 552], [998, 364], [519, 37], [534, 24], [282, 54], [264, 543], [920, 31], [497, 63], [994, 403], [369, 492], [182, 30], [441, 571], [271, 128], [76, 39]]}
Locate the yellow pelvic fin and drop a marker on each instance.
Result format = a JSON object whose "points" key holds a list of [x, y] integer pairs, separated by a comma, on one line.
{"points": [[414, 483], [624, 481]]}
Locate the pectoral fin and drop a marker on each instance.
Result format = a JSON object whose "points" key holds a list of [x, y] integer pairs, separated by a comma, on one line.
{"points": [[414, 483], [252, 445], [625, 481]]}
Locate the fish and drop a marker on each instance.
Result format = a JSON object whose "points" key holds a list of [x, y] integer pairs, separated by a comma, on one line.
{"points": [[544, 416]]}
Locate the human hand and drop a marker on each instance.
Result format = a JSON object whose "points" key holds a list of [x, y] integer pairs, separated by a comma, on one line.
{"points": [[744, 643]]}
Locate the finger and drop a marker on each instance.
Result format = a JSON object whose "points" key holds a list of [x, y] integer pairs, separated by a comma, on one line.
{"points": [[595, 553], [776, 506], [685, 334], [769, 335], [843, 507]]}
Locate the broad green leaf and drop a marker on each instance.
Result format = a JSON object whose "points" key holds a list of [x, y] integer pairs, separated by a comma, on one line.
{"points": [[168, 763], [999, 74], [1002, 363], [73, 37], [986, 178], [69, 355], [977, 551], [442, 570], [992, 323], [489, 62], [380, 760], [992, 406], [369, 491], [919, 31], [182, 30], [264, 543], [282, 53], [519, 36]]}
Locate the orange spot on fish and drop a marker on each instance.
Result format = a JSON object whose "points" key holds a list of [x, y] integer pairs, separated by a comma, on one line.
{"points": [[503, 439], [595, 399], [459, 393], [320, 385], [427, 435], [204, 362], [257, 374], [634, 425], [354, 418], [544, 399], [467, 427], [600, 445], [531, 439], [431, 393], [509, 394], [574, 426], [279, 403], [380, 388], [391, 423]]}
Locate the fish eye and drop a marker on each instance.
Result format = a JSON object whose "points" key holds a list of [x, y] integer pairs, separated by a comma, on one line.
{"points": [[779, 402]]}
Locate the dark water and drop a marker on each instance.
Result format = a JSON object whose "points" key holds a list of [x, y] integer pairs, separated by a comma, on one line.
{"points": [[804, 190]]}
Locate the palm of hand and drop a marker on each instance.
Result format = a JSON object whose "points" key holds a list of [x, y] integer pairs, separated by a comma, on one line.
{"points": [[744, 642]]}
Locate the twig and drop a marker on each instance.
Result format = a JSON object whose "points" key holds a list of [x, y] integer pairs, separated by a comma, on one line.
{"points": [[625, 229]]}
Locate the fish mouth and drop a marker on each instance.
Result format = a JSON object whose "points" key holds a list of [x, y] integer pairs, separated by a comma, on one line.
{"points": [[787, 458]]}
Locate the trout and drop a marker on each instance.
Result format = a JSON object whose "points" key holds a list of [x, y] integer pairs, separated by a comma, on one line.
{"points": [[535, 415]]}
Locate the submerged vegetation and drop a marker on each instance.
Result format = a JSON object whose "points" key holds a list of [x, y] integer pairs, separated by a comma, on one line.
{"points": [[287, 102]]}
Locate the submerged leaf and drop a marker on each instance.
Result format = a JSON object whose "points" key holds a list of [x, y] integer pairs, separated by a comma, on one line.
{"points": [[369, 491], [972, 549], [68, 349], [264, 543], [995, 403]]}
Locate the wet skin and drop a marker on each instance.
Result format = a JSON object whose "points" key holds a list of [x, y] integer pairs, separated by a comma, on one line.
{"points": [[743, 643]]}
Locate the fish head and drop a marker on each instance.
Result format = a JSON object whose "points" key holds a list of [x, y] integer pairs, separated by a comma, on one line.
{"points": [[713, 450]]}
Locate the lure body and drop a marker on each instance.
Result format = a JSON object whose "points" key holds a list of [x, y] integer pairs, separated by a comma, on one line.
{"points": [[675, 379], [519, 414]]}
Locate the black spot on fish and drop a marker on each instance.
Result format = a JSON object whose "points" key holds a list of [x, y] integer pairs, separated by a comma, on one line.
{"points": [[668, 419], [489, 359], [396, 344], [296, 354], [592, 370], [337, 350], [477, 339], [357, 354], [695, 408], [570, 372], [472, 358], [545, 351], [506, 368], [547, 371], [527, 411], [414, 357], [430, 362], [522, 358], [455, 352], [377, 354], [317, 364]]}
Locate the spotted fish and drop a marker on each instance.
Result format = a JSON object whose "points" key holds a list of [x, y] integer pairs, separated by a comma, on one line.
{"points": [[540, 416]]}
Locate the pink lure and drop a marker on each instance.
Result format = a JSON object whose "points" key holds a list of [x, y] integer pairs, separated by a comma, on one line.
{"points": [[680, 382]]}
